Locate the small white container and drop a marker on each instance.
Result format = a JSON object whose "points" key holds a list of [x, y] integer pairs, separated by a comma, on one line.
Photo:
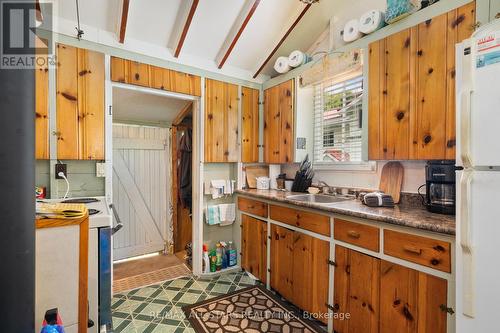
{"points": [[263, 183], [288, 185]]}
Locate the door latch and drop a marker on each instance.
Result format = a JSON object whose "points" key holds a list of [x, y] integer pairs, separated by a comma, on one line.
{"points": [[446, 309]]}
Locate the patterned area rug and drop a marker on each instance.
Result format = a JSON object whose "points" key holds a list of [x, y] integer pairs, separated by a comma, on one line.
{"points": [[150, 278], [250, 310]]}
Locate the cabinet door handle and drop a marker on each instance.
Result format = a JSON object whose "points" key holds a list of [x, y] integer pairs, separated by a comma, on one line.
{"points": [[412, 249], [353, 234]]}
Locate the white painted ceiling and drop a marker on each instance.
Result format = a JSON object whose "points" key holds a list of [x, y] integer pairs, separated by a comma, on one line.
{"points": [[152, 22], [134, 105]]}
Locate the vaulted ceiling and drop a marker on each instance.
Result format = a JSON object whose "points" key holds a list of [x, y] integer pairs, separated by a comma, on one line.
{"points": [[236, 35]]}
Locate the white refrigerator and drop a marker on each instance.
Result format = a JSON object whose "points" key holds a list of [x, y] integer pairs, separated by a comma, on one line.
{"points": [[478, 184]]}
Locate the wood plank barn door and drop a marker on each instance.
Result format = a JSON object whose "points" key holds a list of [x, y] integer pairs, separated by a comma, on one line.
{"points": [[141, 182]]}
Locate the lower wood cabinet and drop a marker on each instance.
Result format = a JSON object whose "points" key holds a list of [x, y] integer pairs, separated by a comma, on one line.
{"points": [[299, 269], [254, 246], [384, 297], [356, 292]]}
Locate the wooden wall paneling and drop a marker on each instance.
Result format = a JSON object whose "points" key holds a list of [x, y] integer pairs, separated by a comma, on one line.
{"points": [[185, 83], [286, 107], [282, 261], [272, 125], [375, 74], [160, 78], [466, 21], [91, 100], [398, 298], [231, 146], [138, 73], [119, 70], [431, 88], [41, 108], [175, 187], [396, 116], [215, 104], [68, 118], [249, 125]]}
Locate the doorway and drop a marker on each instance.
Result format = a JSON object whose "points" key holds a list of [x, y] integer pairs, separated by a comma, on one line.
{"points": [[144, 183]]}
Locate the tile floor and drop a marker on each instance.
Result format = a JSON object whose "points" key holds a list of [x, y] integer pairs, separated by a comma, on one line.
{"points": [[157, 308]]}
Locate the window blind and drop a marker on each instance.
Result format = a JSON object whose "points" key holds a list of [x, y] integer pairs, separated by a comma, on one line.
{"points": [[338, 120]]}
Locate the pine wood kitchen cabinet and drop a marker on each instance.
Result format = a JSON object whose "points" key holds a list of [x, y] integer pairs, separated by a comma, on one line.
{"points": [[138, 74], [411, 301], [79, 103], [356, 291], [249, 125], [221, 121], [254, 247], [411, 102], [41, 110], [279, 123], [299, 269]]}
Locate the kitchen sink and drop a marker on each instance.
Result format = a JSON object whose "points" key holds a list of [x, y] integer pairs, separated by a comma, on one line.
{"points": [[318, 198]]}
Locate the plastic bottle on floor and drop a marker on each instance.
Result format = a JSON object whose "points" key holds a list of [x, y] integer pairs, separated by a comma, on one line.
{"points": [[218, 252], [231, 254], [213, 261], [206, 259], [224, 254]]}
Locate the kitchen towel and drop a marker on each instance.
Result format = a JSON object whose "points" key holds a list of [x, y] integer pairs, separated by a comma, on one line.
{"points": [[298, 58], [212, 215], [282, 65], [227, 214], [351, 31], [371, 21]]}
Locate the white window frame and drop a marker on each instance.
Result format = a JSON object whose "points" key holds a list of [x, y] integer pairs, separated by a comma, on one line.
{"points": [[364, 165]]}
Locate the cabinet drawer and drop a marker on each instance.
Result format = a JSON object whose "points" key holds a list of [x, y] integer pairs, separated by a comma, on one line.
{"points": [[301, 219], [252, 206], [420, 250], [357, 234]]}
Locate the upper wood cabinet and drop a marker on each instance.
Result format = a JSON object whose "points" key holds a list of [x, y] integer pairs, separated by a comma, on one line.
{"points": [[299, 268], [80, 103], [41, 110], [221, 121], [412, 89], [249, 125], [254, 247], [133, 72], [279, 123]]}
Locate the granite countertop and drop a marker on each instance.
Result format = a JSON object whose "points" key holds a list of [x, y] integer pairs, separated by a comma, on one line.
{"points": [[414, 216]]}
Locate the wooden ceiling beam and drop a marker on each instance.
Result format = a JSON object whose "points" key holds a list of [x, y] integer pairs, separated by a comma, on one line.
{"points": [[183, 21], [123, 21], [186, 110], [294, 24], [235, 33]]}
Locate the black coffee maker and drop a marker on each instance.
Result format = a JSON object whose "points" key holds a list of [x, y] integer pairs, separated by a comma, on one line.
{"points": [[440, 187]]}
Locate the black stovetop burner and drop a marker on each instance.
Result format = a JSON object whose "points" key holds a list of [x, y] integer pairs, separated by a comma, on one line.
{"points": [[93, 211], [81, 200]]}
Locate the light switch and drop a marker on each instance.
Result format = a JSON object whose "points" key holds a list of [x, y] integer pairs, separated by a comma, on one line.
{"points": [[100, 169]]}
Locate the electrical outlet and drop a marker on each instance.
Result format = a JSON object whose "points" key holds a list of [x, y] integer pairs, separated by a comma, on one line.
{"points": [[60, 167], [100, 169]]}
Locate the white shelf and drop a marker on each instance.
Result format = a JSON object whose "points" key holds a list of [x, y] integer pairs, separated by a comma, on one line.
{"points": [[222, 271]]}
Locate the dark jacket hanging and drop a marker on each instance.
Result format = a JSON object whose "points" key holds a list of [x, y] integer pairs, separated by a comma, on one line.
{"points": [[184, 170]]}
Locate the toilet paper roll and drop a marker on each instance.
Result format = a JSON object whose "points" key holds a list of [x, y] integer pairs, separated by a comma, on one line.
{"points": [[351, 31], [371, 21], [281, 65], [297, 58]]}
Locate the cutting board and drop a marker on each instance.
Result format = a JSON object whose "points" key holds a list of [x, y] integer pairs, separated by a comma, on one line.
{"points": [[391, 179], [254, 171]]}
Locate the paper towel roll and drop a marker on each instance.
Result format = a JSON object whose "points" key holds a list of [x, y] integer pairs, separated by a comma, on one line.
{"points": [[281, 65], [371, 21], [297, 58], [351, 31]]}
